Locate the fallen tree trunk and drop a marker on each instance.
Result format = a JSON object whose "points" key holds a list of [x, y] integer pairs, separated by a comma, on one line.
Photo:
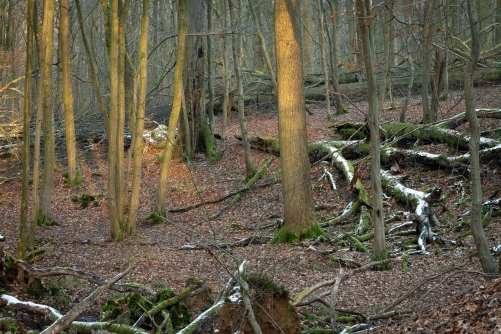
{"points": [[63, 322], [420, 203]]}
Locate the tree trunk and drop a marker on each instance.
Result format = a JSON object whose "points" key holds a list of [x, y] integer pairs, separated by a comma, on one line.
{"points": [[249, 166], [160, 209], [262, 44], [113, 197], [379, 249], [44, 215], [210, 72], [195, 63], [477, 229], [334, 55], [324, 59], [299, 214], [22, 239], [429, 115], [138, 141], [224, 75], [92, 67], [74, 175]]}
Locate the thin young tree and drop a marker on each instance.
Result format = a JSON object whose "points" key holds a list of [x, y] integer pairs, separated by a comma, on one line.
{"points": [[138, 142], [22, 238], [250, 170], [323, 54], [379, 251], [300, 221], [74, 174], [159, 211], [477, 229]]}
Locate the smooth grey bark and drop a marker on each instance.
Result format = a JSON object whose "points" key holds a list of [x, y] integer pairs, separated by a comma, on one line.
{"points": [[379, 249], [476, 226]]}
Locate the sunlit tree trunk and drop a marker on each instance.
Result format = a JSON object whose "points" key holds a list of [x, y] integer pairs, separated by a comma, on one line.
{"points": [[114, 217], [379, 251], [138, 142], [160, 205], [249, 166], [22, 239], [74, 175], [299, 215], [477, 229], [44, 215]]}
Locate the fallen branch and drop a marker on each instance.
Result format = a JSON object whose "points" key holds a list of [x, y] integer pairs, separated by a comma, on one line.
{"points": [[220, 199], [299, 300], [247, 186], [63, 322], [254, 240], [91, 278]]}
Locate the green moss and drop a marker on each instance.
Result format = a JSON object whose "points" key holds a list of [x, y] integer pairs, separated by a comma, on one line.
{"points": [[154, 218], [124, 310], [383, 256], [9, 325], [352, 133], [288, 235], [261, 282], [210, 145], [179, 313], [346, 319]]}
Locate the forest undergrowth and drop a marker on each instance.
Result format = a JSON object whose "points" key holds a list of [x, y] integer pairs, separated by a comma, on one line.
{"points": [[449, 289]]}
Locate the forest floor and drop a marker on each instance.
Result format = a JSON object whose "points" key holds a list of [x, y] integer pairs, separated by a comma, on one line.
{"points": [[454, 297]]}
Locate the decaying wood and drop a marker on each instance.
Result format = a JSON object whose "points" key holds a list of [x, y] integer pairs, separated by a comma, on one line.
{"points": [[63, 322], [91, 278], [245, 297], [419, 202], [207, 318], [52, 314], [299, 300]]}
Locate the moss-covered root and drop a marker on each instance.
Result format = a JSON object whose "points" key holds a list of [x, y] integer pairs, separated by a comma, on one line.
{"points": [[383, 256], [210, 145], [291, 234], [166, 303], [154, 218]]}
